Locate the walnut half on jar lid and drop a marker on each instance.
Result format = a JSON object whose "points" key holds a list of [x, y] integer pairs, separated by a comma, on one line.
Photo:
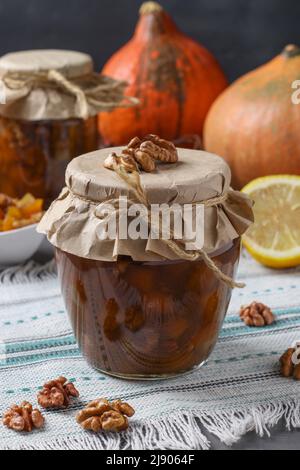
{"points": [[74, 221]]}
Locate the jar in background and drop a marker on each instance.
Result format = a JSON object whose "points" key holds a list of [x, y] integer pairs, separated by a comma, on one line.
{"points": [[139, 309], [52, 99]]}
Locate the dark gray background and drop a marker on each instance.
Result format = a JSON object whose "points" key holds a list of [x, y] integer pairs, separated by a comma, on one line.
{"points": [[241, 33]]}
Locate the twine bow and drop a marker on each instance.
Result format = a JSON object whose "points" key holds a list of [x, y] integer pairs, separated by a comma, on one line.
{"points": [[134, 181], [96, 91]]}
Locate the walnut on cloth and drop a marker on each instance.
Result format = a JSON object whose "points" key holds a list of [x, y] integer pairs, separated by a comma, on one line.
{"points": [[288, 366], [57, 394], [23, 418], [257, 314], [102, 415], [143, 154]]}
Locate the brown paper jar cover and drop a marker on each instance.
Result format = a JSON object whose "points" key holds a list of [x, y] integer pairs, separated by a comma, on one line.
{"points": [[34, 100], [71, 224], [52, 99]]}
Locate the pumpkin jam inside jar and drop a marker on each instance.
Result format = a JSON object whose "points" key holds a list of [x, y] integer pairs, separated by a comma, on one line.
{"points": [[34, 155], [142, 319], [141, 308]]}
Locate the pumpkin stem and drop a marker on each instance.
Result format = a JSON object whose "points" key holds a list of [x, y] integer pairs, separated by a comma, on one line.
{"points": [[154, 22], [291, 51], [150, 7]]}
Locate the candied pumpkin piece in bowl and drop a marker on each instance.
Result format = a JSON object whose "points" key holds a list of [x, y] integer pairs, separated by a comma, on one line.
{"points": [[18, 237], [19, 213]]}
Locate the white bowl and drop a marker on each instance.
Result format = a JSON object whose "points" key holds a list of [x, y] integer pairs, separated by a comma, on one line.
{"points": [[17, 246]]}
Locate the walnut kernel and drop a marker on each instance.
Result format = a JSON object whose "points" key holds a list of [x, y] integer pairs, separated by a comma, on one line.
{"points": [[57, 394], [23, 418], [287, 367], [257, 314], [143, 153], [101, 415]]}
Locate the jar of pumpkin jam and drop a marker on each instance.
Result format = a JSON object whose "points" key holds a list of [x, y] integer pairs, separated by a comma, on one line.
{"points": [[48, 115], [138, 310]]}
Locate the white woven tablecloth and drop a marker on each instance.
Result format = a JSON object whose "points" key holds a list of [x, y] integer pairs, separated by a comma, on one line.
{"points": [[239, 390]]}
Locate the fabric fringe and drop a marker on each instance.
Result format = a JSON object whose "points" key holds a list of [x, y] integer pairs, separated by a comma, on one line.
{"points": [[181, 431], [27, 273], [231, 426]]}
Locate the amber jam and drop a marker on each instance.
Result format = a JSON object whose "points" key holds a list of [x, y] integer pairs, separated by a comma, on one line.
{"points": [[146, 320], [34, 154]]}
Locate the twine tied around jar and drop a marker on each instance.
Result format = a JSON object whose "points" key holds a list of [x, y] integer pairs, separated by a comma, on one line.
{"points": [[133, 180], [103, 93]]}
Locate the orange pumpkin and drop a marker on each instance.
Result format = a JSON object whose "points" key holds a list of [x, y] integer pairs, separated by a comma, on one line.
{"points": [[254, 124], [175, 79]]}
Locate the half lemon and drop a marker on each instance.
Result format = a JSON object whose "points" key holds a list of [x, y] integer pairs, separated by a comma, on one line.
{"points": [[274, 238]]}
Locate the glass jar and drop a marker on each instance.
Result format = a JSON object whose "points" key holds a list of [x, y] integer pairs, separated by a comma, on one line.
{"points": [[146, 320], [34, 154], [138, 308], [49, 105]]}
